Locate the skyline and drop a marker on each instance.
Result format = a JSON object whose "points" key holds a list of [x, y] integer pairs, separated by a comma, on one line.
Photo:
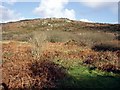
{"points": [[100, 12]]}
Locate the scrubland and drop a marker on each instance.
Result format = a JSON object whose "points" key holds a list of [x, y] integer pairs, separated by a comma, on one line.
{"points": [[60, 53]]}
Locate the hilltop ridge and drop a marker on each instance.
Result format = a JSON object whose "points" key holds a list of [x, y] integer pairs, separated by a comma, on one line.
{"points": [[54, 23]]}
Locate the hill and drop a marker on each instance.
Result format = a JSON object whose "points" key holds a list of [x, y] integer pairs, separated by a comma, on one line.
{"points": [[23, 30], [59, 52]]}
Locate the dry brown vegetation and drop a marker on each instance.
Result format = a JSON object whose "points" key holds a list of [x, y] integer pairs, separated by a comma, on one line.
{"points": [[36, 54], [20, 70]]}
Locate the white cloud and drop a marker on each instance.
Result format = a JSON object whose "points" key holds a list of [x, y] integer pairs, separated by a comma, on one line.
{"points": [[85, 20], [102, 4], [9, 15], [93, 3], [98, 3], [11, 2], [54, 8]]}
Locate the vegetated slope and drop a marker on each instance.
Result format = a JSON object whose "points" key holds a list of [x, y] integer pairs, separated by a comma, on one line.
{"points": [[56, 23], [48, 53], [63, 29], [60, 65]]}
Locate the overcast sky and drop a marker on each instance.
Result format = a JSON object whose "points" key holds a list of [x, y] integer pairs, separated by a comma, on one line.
{"points": [[89, 11]]}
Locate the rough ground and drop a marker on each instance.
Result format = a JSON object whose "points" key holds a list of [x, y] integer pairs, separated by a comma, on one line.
{"points": [[20, 69], [39, 53]]}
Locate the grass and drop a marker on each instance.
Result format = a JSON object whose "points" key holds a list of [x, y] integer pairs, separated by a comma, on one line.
{"points": [[82, 77]]}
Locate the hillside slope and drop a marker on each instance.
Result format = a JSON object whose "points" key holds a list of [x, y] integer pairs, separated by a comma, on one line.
{"points": [[80, 31], [60, 53]]}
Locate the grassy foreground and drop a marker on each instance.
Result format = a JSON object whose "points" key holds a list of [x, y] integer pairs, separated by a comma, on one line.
{"points": [[82, 77]]}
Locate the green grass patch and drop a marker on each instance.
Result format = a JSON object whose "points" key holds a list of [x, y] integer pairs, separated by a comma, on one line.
{"points": [[83, 77]]}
